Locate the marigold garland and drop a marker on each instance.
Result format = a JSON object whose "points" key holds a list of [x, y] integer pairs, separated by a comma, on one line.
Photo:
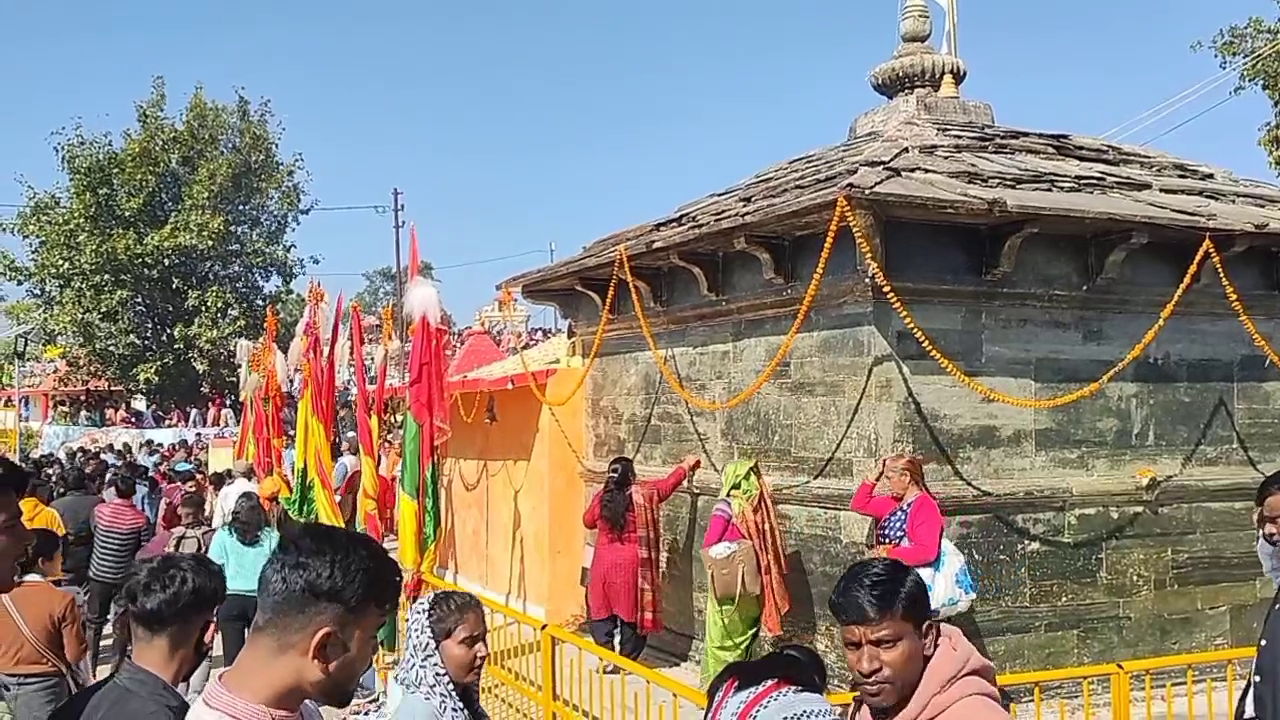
{"points": [[783, 350], [1233, 297], [596, 344], [475, 407], [878, 276], [272, 325], [844, 213], [388, 325]]}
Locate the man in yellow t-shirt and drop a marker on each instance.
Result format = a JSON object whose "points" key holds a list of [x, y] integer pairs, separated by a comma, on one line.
{"points": [[37, 515]]}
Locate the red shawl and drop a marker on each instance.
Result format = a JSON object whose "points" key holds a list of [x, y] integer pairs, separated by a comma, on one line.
{"points": [[644, 501]]}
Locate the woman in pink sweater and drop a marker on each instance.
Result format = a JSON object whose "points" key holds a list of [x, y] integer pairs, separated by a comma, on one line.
{"points": [[908, 519]]}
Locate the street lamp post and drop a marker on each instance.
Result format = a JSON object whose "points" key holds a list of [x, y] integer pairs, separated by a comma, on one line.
{"points": [[21, 336]]}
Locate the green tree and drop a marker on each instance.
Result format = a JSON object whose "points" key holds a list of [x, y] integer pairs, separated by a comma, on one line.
{"points": [[1250, 49], [290, 304], [163, 243], [380, 286]]}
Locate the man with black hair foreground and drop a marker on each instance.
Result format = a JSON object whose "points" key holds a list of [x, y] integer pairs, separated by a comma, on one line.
{"points": [[14, 536], [322, 597], [905, 664], [168, 604]]}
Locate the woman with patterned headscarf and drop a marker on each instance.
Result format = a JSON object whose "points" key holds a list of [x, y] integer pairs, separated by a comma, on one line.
{"points": [[445, 650], [745, 513]]}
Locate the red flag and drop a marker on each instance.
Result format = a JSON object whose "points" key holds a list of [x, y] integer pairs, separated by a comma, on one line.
{"points": [[414, 258], [380, 390], [369, 489], [330, 389], [263, 455]]}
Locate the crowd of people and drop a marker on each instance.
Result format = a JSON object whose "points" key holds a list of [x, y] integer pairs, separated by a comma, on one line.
{"points": [[508, 341], [94, 410], [145, 556], [298, 606], [144, 552]]}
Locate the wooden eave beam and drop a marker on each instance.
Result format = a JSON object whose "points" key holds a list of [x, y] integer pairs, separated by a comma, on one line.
{"points": [[705, 268], [1007, 243], [772, 252], [1122, 245]]}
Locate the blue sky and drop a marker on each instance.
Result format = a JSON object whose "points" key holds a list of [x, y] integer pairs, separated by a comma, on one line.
{"points": [[511, 125]]}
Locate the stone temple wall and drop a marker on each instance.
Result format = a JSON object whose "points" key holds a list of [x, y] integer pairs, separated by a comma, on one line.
{"points": [[1077, 561]]}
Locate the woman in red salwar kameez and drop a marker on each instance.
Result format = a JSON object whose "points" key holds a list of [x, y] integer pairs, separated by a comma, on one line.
{"points": [[624, 596]]}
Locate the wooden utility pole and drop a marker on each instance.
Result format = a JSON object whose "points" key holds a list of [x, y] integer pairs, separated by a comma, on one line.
{"points": [[555, 311], [397, 224]]}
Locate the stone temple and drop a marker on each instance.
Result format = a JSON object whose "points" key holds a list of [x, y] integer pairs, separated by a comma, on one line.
{"points": [[1112, 527]]}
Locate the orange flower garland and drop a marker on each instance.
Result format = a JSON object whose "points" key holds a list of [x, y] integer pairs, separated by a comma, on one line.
{"points": [[873, 268], [596, 344], [844, 214], [783, 351], [467, 417]]}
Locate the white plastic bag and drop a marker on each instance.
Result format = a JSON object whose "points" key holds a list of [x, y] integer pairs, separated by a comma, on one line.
{"points": [[951, 587]]}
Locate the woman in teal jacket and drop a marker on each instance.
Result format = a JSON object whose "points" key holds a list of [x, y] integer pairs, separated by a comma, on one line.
{"points": [[241, 547]]}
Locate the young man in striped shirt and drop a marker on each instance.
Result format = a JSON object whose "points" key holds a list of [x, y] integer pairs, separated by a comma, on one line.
{"points": [[120, 529]]}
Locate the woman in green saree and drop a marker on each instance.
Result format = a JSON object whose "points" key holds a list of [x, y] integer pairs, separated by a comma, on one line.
{"points": [[744, 513]]}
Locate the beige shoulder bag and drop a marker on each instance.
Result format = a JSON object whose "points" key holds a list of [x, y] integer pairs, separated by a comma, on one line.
{"points": [[734, 576]]}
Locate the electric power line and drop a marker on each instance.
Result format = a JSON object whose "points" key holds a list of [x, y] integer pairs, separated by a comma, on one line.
{"points": [[1180, 100], [380, 209], [1188, 121], [436, 268], [377, 209]]}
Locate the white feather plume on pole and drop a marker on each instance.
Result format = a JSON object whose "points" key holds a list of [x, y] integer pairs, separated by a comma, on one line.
{"points": [[294, 358], [344, 347], [422, 301], [282, 370], [243, 350], [324, 321]]}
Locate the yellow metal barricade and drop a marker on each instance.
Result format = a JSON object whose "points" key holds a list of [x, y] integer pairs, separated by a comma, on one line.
{"points": [[1198, 685], [538, 670], [591, 682]]}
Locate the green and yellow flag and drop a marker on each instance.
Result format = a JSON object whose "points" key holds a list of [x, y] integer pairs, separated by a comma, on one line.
{"points": [[311, 498], [426, 428]]}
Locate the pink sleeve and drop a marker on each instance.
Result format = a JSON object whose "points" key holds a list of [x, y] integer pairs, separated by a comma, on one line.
{"points": [[866, 502], [667, 486], [721, 521], [591, 517], [924, 534]]}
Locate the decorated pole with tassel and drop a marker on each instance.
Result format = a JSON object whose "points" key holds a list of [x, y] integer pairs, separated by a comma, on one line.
{"points": [[426, 429]]}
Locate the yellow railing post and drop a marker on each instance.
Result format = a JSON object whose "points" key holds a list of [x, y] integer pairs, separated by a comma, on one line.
{"points": [[548, 645], [1121, 687]]}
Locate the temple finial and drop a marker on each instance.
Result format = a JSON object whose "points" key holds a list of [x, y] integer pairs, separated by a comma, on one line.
{"points": [[916, 66], [915, 23]]}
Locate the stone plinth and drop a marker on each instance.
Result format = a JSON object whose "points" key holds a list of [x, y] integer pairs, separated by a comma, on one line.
{"points": [[883, 118]]}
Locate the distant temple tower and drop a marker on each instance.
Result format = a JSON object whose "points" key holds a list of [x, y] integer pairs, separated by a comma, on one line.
{"points": [[494, 317]]}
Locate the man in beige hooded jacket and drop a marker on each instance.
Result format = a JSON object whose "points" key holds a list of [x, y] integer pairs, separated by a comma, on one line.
{"points": [[905, 664]]}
